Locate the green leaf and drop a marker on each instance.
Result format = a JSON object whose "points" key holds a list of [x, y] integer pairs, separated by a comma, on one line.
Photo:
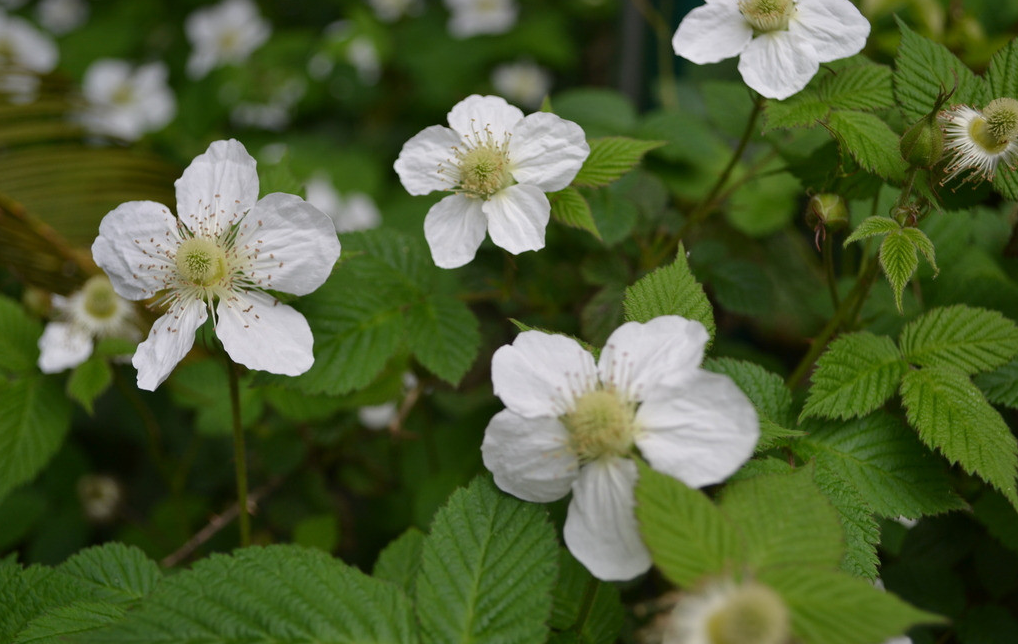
{"points": [[1005, 182], [769, 395], [34, 418], [899, 259], [88, 380], [871, 227], [870, 142], [204, 387], [802, 110], [487, 570], [279, 594], [670, 290], [20, 512], [597, 111], [764, 205], [881, 459], [857, 373], [1000, 386], [823, 602], [859, 87], [610, 158], [860, 528], [317, 531], [688, 537], [66, 622], [20, 335], [963, 337], [924, 69], [773, 512], [112, 573], [400, 560], [585, 606], [443, 334], [570, 208], [925, 246], [951, 415], [1002, 74]]}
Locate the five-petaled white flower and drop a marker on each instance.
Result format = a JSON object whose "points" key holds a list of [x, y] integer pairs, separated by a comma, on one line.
{"points": [[93, 312], [224, 247], [349, 213], [225, 34], [980, 141], [523, 82], [726, 612], [570, 424], [474, 17], [124, 101], [498, 164], [24, 48], [393, 10], [780, 43]]}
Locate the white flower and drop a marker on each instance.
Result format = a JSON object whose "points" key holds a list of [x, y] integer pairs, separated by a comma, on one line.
{"points": [[498, 164], [571, 425], [780, 43], [724, 612], [93, 312], [377, 417], [100, 496], [25, 48], [980, 141], [225, 34], [225, 247], [473, 17], [393, 10], [363, 55], [350, 213], [126, 102], [62, 16], [523, 82]]}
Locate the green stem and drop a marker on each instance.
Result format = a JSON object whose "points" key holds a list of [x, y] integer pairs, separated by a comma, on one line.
{"points": [[239, 456], [665, 55], [832, 282]]}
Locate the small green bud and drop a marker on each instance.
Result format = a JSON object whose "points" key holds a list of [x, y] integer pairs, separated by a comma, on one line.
{"points": [[922, 145], [827, 209]]}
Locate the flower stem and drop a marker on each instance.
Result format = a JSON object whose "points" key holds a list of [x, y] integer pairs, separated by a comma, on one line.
{"points": [[832, 282], [239, 456]]}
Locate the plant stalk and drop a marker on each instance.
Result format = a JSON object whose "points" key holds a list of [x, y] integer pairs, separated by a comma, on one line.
{"points": [[239, 456]]}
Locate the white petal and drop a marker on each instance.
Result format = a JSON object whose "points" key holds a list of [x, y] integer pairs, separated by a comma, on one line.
{"points": [[217, 188], [530, 457], [291, 245], [168, 342], [103, 77], [259, 332], [31, 49], [702, 434], [547, 151], [62, 346], [601, 529], [835, 28], [132, 246], [477, 114], [378, 416], [645, 359], [421, 157], [778, 64], [454, 229], [517, 218], [540, 374], [712, 33]]}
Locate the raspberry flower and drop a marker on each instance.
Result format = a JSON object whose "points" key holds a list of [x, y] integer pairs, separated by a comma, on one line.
{"points": [[780, 43], [980, 141], [126, 102], [724, 612], [24, 48], [225, 34], [93, 312], [498, 165], [571, 424], [474, 17], [222, 248]]}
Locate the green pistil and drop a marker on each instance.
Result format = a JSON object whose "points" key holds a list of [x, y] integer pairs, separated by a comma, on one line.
{"points": [[752, 614], [601, 424], [100, 298], [484, 171], [767, 15], [1002, 119], [201, 261]]}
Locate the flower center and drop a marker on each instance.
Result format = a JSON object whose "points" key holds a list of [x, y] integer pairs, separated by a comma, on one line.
{"points": [[484, 170], [201, 261], [100, 298], [601, 424], [767, 15], [752, 614], [1002, 119], [123, 95]]}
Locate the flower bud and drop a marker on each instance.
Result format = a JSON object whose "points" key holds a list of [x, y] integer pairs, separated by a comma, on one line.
{"points": [[922, 145], [827, 209]]}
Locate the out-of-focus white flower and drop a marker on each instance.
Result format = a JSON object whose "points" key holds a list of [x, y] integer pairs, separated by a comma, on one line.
{"points": [[980, 141], [363, 55], [61, 16], [524, 83], [352, 212], [224, 34], [377, 417], [126, 101], [498, 165], [273, 115], [393, 10], [100, 496], [25, 48], [571, 425], [13, 4], [474, 17], [724, 612], [223, 248], [92, 313], [780, 43]]}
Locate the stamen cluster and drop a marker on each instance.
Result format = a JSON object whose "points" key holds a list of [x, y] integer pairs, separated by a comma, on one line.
{"points": [[767, 15]]}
